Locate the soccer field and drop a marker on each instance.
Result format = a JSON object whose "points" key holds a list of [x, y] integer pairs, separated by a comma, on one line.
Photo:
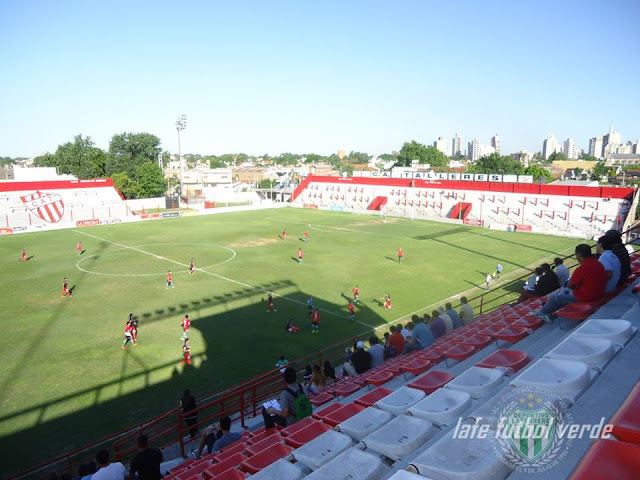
{"points": [[65, 379]]}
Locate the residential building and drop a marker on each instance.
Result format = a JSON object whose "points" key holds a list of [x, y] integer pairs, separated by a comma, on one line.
{"points": [[456, 146], [569, 149], [595, 147], [496, 143], [442, 144], [474, 150], [610, 142], [549, 147]]}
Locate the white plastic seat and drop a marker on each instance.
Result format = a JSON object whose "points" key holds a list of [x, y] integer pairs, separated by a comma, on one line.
{"points": [[400, 436], [443, 406], [400, 400], [477, 381], [280, 470], [364, 423], [404, 475], [322, 449], [618, 331], [567, 378], [460, 459], [595, 352], [353, 464]]}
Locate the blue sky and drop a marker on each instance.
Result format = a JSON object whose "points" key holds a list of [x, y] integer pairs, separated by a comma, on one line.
{"points": [[302, 76]]}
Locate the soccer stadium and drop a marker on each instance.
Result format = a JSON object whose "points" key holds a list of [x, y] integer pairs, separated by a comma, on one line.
{"points": [[343, 240]]}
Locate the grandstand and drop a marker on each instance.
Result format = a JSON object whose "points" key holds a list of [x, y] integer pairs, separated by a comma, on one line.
{"points": [[575, 211]]}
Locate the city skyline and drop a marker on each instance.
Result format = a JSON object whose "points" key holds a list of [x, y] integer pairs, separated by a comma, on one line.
{"points": [[364, 76]]}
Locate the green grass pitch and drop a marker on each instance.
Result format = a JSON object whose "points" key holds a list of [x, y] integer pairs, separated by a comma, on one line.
{"points": [[65, 380]]}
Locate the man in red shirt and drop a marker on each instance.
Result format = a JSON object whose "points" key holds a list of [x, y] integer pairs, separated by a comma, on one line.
{"points": [[352, 311], [169, 279], [587, 284], [400, 254], [315, 321], [396, 341], [186, 325], [300, 255], [356, 293]]}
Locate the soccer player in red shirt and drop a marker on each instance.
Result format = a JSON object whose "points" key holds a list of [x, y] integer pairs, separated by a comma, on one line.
{"points": [[315, 321], [356, 294], [306, 236], [192, 266], [186, 325], [387, 302], [300, 255], [283, 235], [400, 254], [352, 311], [134, 331], [270, 306], [23, 256], [128, 335], [169, 279], [65, 288], [79, 248], [186, 353]]}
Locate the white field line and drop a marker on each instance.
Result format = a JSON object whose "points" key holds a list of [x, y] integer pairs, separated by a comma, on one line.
{"points": [[222, 277]]}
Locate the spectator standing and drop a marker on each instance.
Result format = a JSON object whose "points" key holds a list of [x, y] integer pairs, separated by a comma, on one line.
{"points": [[437, 326], [189, 413], [107, 470], [453, 315], [376, 351], [609, 261], [147, 462], [587, 284], [561, 271], [619, 250], [466, 311], [361, 359], [547, 282], [287, 414]]}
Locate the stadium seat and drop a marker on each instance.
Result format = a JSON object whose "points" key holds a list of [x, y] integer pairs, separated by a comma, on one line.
{"points": [[430, 354], [364, 423], [235, 447], [616, 330], [416, 367], [459, 352], [528, 322], [432, 381], [373, 396], [340, 415], [231, 474], [197, 468], [321, 399], [609, 459], [442, 407], [322, 449], [400, 436], [478, 341], [263, 444], [399, 401], [626, 421], [306, 434], [347, 389], [183, 466], [576, 311], [404, 475], [279, 470], [595, 352], [477, 381], [353, 464], [327, 410], [262, 433], [299, 425], [265, 458], [512, 360], [230, 462], [379, 378], [511, 334]]}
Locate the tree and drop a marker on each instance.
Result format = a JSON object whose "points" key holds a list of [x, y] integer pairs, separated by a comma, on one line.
{"points": [[129, 150], [587, 157], [150, 181], [417, 151], [599, 171], [556, 156], [495, 163], [127, 187], [539, 174], [388, 157], [80, 158], [358, 157]]}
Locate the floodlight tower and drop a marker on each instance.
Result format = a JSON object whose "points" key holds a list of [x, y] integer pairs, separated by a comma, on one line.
{"points": [[181, 124]]}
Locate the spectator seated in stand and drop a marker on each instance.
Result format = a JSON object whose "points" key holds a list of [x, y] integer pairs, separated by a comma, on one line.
{"points": [[437, 326], [376, 351], [587, 284], [329, 372], [318, 380], [547, 282], [455, 318], [107, 470], [282, 363], [609, 261], [448, 321], [216, 439], [395, 345], [146, 464], [529, 288], [361, 359], [466, 311], [422, 337], [619, 250], [561, 271]]}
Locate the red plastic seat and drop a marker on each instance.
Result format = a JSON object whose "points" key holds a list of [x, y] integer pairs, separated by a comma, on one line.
{"points": [[299, 425], [229, 462], [626, 421], [235, 447], [265, 458], [231, 474], [380, 378], [327, 410], [529, 322], [347, 389], [306, 434], [263, 444], [460, 352], [576, 311], [262, 433], [511, 334], [607, 460], [503, 358], [432, 381], [373, 396], [416, 367], [321, 399], [430, 354], [196, 469], [340, 415], [183, 466], [478, 341], [443, 347], [395, 368]]}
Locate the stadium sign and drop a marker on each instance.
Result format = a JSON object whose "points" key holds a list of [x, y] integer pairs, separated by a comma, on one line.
{"points": [[48, 206], [407, 172]]}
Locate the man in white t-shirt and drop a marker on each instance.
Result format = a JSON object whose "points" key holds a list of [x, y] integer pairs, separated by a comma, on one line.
{"points": [[609, 261], [561, 271], [106, 470]]}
